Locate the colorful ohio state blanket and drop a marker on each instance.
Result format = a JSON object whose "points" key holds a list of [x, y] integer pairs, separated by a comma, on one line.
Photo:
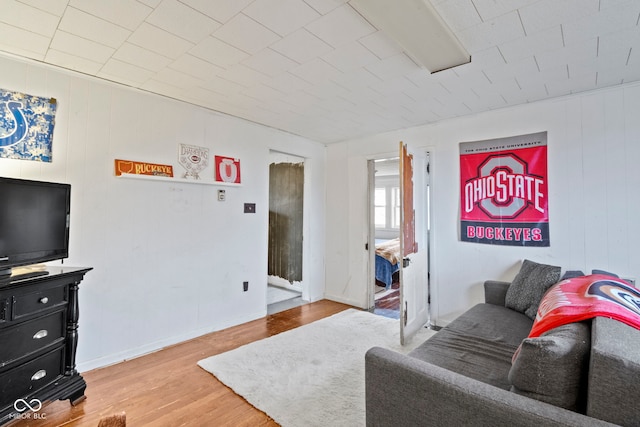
{"points": [[585, 297]]}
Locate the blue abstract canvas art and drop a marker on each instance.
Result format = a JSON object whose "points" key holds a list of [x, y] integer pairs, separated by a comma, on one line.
{"points": [[26, 126]]}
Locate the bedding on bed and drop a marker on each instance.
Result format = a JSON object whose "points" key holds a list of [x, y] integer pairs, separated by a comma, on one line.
{"points": [[387, 261]]}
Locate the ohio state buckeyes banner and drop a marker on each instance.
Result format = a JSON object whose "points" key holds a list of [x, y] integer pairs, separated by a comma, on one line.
{"points": [[504, 191]]}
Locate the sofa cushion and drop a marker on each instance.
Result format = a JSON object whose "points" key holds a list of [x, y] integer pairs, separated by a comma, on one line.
{"points": [[553, 367], [614, 369], [570, 274], [529, 285], [478, 344]]}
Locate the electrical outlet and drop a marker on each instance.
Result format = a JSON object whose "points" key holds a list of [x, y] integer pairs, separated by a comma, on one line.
{"points": [[245, 286], [222, 195]]}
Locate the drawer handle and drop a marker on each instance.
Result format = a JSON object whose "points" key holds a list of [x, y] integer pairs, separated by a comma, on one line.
{"points": [[39, 375], [40, 334], [43, 300]]}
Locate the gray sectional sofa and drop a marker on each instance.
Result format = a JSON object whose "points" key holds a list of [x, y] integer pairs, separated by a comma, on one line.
{"points": [[581, 374]]}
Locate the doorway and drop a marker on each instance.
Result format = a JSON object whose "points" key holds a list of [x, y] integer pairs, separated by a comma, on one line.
{"points": [[385, 224], [385, 233], [285, 241]]}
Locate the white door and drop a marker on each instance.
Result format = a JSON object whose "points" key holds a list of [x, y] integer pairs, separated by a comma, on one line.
{"points": [[414, 293]]}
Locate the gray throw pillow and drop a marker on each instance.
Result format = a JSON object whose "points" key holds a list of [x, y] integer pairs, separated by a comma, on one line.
{"points": [[553, 367], [529, 285]]}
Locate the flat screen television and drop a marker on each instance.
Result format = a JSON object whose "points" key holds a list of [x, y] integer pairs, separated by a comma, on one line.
{"points": [[34, 222]]}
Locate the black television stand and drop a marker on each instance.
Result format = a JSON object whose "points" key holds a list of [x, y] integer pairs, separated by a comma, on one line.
{"points": [[39, 331]]}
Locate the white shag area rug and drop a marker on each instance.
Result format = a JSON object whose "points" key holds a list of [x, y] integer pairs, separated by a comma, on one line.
{"points": [[312, 375]]}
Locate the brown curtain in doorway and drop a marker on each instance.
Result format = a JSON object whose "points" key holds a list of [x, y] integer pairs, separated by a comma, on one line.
{"points": [[286, 191]]}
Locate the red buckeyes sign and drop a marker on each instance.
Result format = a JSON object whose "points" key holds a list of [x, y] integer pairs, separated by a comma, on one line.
{"points": [[504, 191]]}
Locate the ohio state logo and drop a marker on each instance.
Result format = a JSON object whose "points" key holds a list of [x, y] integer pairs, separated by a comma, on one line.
{"points": [[504, 188]]}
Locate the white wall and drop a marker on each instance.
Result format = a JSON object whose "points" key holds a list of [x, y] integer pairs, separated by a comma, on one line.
{"points": [[169, 259], [593, 150]]}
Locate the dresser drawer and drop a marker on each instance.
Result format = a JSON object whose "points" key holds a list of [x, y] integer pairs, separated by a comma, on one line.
{"points": [[17, 383], [31, 336], [28, 303]]}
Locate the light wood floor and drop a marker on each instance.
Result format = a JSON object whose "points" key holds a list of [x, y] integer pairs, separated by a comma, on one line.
{"points": [[167, 388]]}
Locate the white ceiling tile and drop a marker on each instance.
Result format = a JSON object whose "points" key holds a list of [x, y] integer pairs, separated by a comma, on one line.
{"points": [[491, 33], [196, 67], [349, 56], [287, 83], [509, 71], [315, 71], [356, 78], [55, 7], [301, 46], [573, 53], [75, 21], [327, 90], [177, 78], [325, 6], [72, 62], [627, 39], [151, 3], [246, 34], [395, 85], [269, 13], [29, 18], [573, 85], [124, 72], [156, 86], [220, 10], [393, 66], [203, 96], [141, 57], [270, 62], [458, 14], [631, 73], [603, 64], [530, 45], [244, 75], [301, 99], [313, 82], [83, 48], [263, 93], [183, 21], [340, 26], [607, 78], [381, 45], [550, 13], [525, 95], [218, 52], [502, 87], [489, 9], [159, 41], [607, 21], [220, 85], [476, 81], [528, 80], [126, 13], [22, 42]]}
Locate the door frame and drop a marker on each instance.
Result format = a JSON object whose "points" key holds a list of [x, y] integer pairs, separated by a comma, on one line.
{"points": [[429, 237], [370, 245], [302, 285]]}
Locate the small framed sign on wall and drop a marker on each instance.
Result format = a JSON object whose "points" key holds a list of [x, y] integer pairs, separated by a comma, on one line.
{"points": [[227, 169], [26, 126]]}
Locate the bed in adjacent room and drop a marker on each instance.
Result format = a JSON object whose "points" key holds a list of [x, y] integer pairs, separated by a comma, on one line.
{"points": [[387, 262]]}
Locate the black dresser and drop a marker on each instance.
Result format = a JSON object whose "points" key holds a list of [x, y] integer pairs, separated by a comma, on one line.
{"points": [[38, 341]]}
